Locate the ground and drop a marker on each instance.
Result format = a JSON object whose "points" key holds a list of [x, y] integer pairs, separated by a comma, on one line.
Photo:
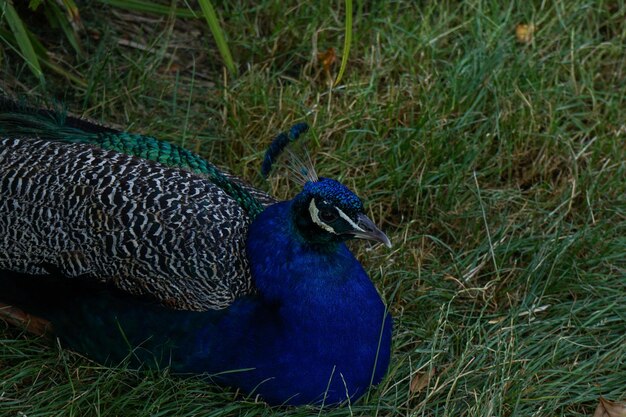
{"points": [[487, 138]]}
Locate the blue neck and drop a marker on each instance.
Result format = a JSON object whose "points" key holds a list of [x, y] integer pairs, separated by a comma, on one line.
{"points": [[307, 271]]}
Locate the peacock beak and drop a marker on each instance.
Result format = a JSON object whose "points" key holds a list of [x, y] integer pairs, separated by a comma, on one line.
{"points": [[368, 230]]}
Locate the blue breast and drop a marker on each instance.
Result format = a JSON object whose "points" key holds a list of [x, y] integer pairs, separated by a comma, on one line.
{"points": [[320, 327]]}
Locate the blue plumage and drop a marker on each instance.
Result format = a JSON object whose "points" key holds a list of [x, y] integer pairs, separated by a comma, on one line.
{"points": [[335, 330], [312, 329], [279, 143]]}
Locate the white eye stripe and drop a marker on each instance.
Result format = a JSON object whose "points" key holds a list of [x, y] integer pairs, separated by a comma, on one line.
{"points": [[349, 220], [314, 212]]}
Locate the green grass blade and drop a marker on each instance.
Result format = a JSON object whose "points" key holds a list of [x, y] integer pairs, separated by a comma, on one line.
{"points": [[218, 35], [346, 42], [150, 7], [63, 20], [207, 11], [8, 38], [62, 71], [22, 39]]}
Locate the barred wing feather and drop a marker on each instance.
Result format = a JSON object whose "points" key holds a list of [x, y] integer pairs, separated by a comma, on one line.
{"points": [[142, 226]]}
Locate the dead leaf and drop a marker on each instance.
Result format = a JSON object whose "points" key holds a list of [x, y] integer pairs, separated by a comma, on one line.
{"points": [[497, 320], [421, 381], [524, 32], [608, 408], [172, 68], [72, 14], [327, 59]]}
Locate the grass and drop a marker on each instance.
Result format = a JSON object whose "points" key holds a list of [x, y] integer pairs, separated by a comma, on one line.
{"points": [[497, 168]]}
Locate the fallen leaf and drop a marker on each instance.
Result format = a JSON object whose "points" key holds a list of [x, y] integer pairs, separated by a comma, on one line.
{"points": [[421, 381], [170, 68], [524, 32], [328, 59], [608, 408]]}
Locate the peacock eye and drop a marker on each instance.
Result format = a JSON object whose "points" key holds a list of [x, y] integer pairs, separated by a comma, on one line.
{"points": [[328, 216]]}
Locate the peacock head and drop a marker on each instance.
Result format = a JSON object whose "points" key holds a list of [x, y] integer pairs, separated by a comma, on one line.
{"points": [[327, 211]]}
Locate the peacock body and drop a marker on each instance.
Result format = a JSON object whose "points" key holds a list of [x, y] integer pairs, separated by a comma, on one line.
{"points": [[123, 242]]}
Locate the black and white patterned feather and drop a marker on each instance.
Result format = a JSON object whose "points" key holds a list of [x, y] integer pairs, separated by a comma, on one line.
{"points": [[142, 226]]}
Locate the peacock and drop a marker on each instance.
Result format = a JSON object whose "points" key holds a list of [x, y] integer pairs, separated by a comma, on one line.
{"points": [[124, 246]]}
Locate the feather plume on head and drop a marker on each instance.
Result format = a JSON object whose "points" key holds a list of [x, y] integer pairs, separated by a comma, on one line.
{"points": [[301, 167]]}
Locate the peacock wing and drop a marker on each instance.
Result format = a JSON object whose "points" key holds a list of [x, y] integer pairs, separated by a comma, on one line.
{"points": [[148, 229]]}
